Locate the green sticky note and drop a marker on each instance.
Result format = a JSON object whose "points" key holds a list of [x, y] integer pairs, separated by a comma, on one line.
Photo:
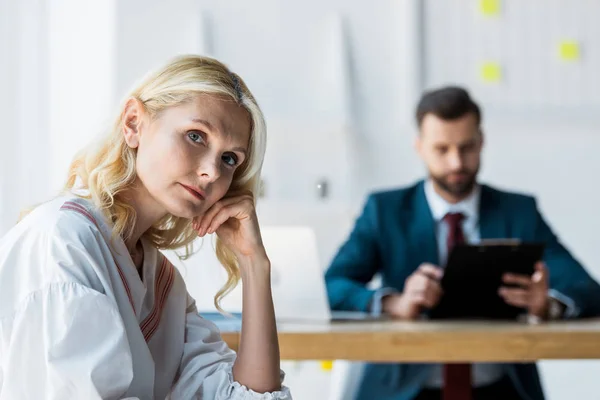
{"points": [[491, 72], [568, 50], [489, 7]]}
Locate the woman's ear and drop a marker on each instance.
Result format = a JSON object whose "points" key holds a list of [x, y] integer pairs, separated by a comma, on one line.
{"points": [[132, 118]]}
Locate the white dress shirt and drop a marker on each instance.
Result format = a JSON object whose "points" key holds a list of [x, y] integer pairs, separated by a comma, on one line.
{"points": [[482, 373], [77, 322]]}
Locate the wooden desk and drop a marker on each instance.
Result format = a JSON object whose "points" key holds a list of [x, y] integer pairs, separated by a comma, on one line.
{"points": [[427, 341]]}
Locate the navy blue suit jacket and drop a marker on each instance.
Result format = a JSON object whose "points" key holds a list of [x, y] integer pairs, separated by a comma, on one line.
{"points": [[396, 233]]}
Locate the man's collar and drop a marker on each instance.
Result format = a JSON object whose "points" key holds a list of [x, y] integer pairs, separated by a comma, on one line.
{"points": [[440, 207]]}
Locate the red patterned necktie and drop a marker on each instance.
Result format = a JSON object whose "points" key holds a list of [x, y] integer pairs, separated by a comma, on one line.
{"points": [[457, 377]]}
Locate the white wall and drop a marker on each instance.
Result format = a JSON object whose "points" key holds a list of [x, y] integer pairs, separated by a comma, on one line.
{"points": [[56, 74], [7, 70], [23, 106], [338, 81], [82, 42], [523, 39]]}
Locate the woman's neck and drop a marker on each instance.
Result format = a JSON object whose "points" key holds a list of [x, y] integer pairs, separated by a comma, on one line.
{"points": [[147, 213], [138, 257]]}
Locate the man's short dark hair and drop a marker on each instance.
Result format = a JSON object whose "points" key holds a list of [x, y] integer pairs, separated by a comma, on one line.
{"points": [[447, 103]]}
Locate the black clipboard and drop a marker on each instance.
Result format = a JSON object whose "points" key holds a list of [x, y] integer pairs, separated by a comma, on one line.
{"points": [[473, 276]]}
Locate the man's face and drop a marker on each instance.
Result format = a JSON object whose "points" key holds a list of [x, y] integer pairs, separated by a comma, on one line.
{"points": [[451, 151]]}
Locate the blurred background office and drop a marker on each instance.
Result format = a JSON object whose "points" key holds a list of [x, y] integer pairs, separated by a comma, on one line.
{"points": [[338, 81]]}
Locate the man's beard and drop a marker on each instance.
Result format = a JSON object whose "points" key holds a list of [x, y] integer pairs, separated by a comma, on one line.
{"points": [[458, 189]]}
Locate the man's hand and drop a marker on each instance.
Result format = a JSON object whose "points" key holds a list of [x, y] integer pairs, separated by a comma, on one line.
{"points": [[528, 292], [421, 290]]}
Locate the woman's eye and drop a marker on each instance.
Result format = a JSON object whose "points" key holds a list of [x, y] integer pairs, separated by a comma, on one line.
{"points": [[230, 159], [195, 137]]}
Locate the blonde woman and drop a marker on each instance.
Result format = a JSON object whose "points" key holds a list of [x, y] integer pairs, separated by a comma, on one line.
{"points": [[89, 307]]}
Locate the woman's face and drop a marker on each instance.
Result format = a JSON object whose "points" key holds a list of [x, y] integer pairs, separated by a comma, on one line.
{"points": [[187, 155]]}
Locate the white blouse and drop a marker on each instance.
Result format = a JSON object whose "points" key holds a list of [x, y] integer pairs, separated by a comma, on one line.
{"points": [[77, 322]]}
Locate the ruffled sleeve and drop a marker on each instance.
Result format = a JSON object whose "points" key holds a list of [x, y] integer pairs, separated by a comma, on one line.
{"points": [[65, 341]]}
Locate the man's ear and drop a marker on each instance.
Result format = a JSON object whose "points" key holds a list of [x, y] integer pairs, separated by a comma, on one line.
{"points": [[417, 144], [132, 118]]}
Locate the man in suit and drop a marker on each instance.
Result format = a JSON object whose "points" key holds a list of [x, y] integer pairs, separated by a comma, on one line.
{"points": [[406, 234]]}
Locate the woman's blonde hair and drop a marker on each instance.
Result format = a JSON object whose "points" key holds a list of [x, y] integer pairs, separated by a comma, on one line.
{"points": [[107, 169]]}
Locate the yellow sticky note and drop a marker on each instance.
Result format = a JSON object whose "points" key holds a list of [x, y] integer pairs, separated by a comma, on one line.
{"points": [[489, 7], [327, 365], [569, 50], [491, 72]]}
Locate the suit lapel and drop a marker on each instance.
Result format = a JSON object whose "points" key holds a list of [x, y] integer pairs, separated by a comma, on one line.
{"points": [[422, 227], [492, 224]]}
